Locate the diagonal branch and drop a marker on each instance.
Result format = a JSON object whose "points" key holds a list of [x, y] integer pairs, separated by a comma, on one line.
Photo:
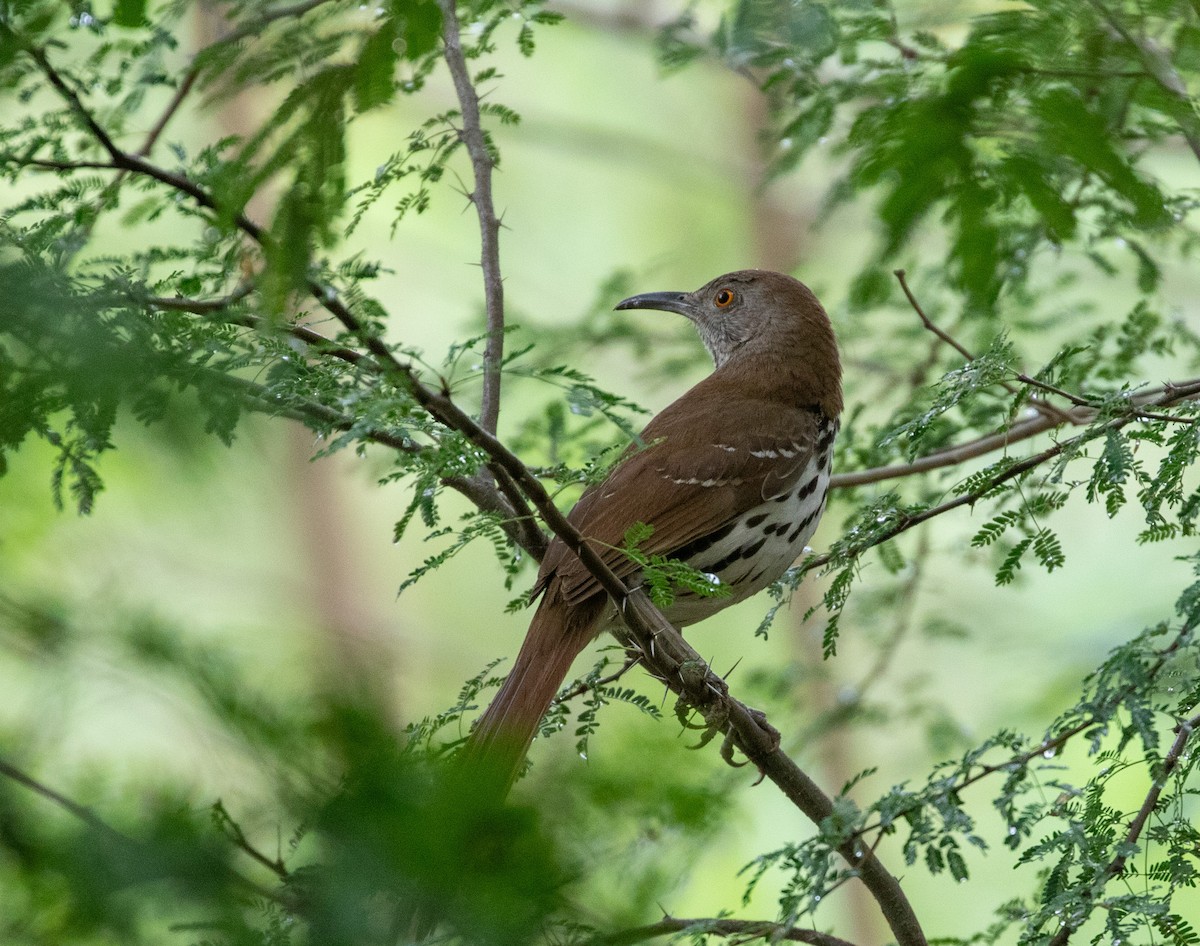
{"points": [[1046, 410], [662, 645], [112, 836], [741, 929], [1078, 416], [588, 686], [173, 106], [505, 494], [522, 529], [1170, 394], [1183, 732], [1158, 64], [482, 163], [1051, 745]]}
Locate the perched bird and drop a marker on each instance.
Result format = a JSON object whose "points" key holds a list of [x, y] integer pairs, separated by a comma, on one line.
{"points": [[732, 477]]}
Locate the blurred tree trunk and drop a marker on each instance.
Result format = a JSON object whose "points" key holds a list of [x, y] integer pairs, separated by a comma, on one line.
{"points": [[361, 647]]}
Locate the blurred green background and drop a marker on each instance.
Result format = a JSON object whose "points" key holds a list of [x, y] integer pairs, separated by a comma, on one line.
{"points": [[286, 567]]}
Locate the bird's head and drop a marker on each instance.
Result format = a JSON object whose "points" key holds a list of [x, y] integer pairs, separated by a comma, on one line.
{"points": [[757, 320]]}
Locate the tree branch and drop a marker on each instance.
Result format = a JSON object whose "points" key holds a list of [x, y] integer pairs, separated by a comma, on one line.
{"points": [[1047, 410], [664, 648], [951, 456], [111, 834], [509, 497], [588, 686], [1171, 394], [482, 163], [1163, 71], [1114, 868], [185, 87], [1022, 430], [232, 830], [1049, 746], [743, 929]]}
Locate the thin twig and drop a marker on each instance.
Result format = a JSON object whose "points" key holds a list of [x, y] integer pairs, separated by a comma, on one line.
{"points": [[906, 522], [523, 531], [48, 165], [1163, 71], [749, 929], [232, 830], [1040, 406], [217, 306], [200, 306], [185, 87], [482, 163], [509, 504], [587, 686], [926, 320], [1084, 402], [518, 511], [1051, 745], [111, 834], [126, 161], [1171, 394], [1022, 430], [1114, 868]]}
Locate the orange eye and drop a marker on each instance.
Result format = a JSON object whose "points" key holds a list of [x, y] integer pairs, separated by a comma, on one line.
{"points": [[723, 298]]}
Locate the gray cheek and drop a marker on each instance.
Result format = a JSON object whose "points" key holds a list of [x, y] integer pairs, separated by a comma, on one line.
{"points": [[716, 344]]}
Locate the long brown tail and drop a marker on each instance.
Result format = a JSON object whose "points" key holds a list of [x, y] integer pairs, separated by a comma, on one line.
{"points": [[556, 635]]}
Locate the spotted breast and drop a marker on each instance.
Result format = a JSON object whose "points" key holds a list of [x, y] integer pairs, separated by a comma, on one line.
{"points": [[754, 550]]}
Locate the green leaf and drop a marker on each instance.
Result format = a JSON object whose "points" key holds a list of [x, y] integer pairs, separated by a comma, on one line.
{"points": [[1070, 128], [129, 13], [1033, 177], [813, 29], [290, 249], [1007, 572], [420, 25], [958, 866], [1048, 550], [374, 78]]}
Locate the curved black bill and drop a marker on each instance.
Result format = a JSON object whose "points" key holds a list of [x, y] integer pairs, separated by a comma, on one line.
{"points": [[663, 301]]}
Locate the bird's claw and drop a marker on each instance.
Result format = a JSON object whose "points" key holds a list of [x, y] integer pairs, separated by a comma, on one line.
{"points": [[697, 678]]}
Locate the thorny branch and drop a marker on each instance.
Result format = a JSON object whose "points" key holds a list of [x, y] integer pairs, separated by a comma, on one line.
{"points": [[661, 644], [482, 163]]}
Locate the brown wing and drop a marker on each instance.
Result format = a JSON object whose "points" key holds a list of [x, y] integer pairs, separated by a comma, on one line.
{"points": [[689, 481]]}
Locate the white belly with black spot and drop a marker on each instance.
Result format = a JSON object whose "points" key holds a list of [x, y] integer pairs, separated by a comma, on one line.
{"points": [[755, 551]]}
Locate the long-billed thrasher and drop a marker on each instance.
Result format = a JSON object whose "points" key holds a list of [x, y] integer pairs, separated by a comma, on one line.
{"points": [[732, 477]]}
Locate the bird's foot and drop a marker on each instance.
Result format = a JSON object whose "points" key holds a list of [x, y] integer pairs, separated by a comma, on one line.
{"points": [[703, 692], [732, 743], [760, 719]]}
